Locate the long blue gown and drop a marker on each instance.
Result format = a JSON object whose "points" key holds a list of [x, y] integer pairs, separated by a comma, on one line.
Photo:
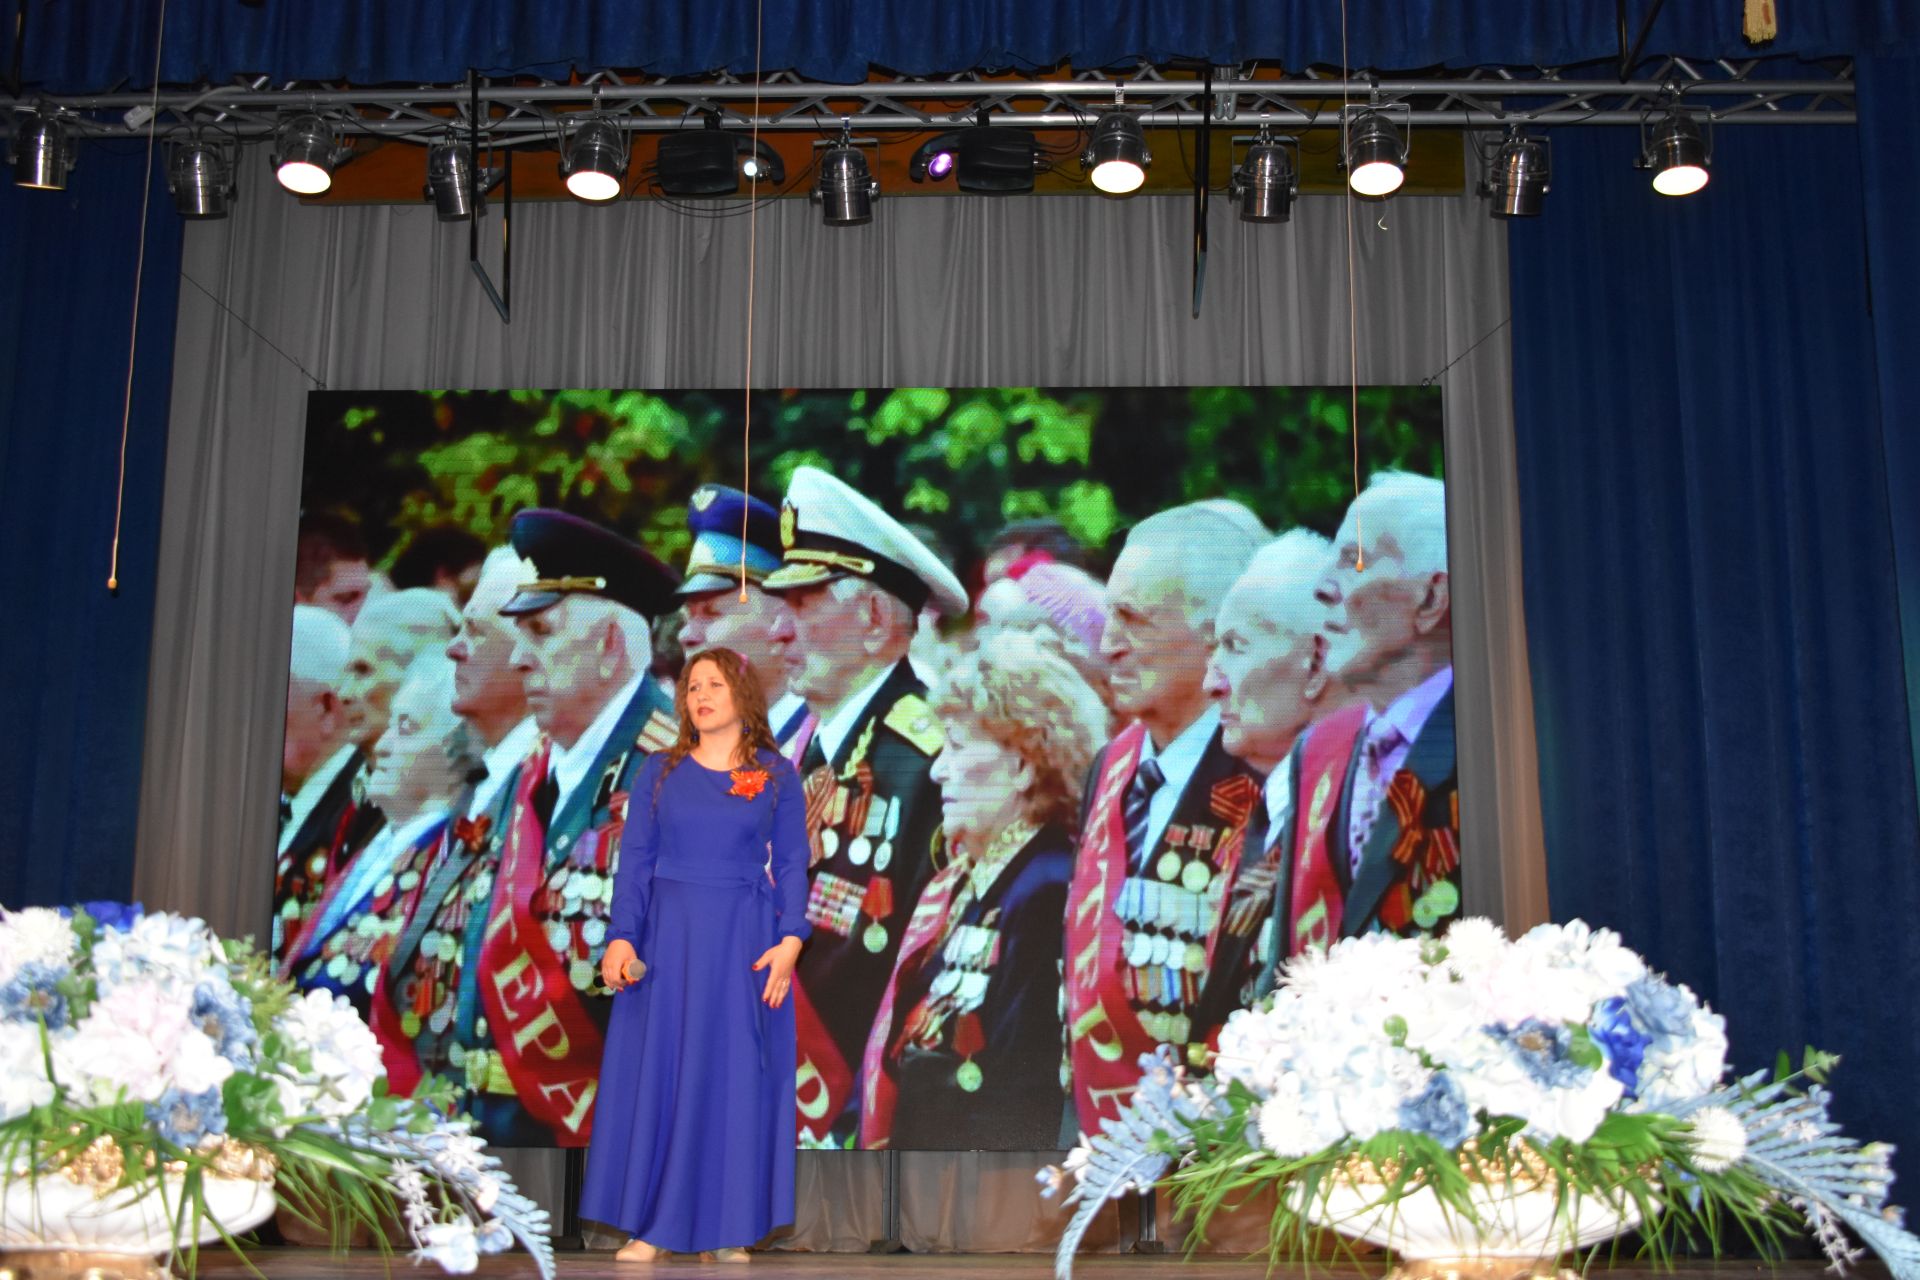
{"points": [[693, 1133]]}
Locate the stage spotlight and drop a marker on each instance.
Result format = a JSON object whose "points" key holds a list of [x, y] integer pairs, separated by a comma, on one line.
{"points": [[200, 176], [936, 159], [845, 190], [42, 153], [982, 160], [1677, 154], [306, 153], [1117, 158], [711, 162], [457, 192], [595, 161], [1519, 176], [1376, 154], [1266, 181]]}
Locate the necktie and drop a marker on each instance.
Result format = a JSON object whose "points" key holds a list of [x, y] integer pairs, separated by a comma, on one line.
{"points": [[1382, 738], [1147, 779], [814, 757], [546, 793]]}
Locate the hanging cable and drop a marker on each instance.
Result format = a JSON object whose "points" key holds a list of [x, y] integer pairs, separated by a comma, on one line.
{"points": [[753, 246], [133, 335], [1353, 308]]}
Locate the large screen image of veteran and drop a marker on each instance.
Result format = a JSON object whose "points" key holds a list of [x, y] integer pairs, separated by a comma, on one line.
{"points": [[1104, 703]]}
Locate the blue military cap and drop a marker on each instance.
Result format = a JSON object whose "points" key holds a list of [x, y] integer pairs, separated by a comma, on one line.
{"points": [[715, 515], [578, 557]]}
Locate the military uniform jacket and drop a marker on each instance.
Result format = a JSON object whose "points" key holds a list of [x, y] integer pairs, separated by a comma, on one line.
{"points": [[873, 815], [301, 874], [571, 907], [417, 1008], [971, 1044], [1408, 880], [1169, 914]]}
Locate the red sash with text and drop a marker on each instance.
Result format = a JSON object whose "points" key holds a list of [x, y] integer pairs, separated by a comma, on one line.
{"points": [[547, 1041], [1104, 1038], [1315, 897], [923, 932], [823, 1083]]}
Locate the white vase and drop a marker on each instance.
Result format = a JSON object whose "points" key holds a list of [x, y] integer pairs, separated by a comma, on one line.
{"points": [[1517, 1231], [53, 1226]]}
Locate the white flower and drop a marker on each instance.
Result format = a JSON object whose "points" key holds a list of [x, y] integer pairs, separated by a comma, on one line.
{"points": [[128, 1040], [344, 1054], [197, 1064], [34, 935], [495, 1236], [1472, 943], [1287, 1130], [1681, 1072], [1719, 1139], [453, 1245], [23, 1076], [162, 947]]}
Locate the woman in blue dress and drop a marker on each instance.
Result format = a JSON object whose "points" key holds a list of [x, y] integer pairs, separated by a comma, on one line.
{"points": [[693, 1133]]}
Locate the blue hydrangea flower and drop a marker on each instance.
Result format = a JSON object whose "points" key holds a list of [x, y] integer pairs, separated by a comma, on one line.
{"points": [[185, 1118], [227, 1018], [31, 995], [1661, 1010], [1440, 1112], [114, 915], [1544, 1050], [1625, 1044]]}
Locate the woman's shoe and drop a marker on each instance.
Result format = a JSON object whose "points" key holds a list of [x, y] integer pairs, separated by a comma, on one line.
{"points": [[725, 1255], [638, 1250]]}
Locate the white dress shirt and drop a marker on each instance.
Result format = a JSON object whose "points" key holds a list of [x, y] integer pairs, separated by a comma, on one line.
{"points": [[499, 761], [1177, 763], [305, 799], [569, 765], [832, 733]]}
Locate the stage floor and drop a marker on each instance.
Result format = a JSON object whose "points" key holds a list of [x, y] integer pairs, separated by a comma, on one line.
{"points": [[318, 1264]]}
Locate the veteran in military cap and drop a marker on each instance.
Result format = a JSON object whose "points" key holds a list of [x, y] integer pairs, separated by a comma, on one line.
{"points": [[855, 580], [531, 1004], [736, 544]]}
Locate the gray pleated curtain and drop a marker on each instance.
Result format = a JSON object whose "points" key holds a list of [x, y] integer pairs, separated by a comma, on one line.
{"points": [[948, 291]]}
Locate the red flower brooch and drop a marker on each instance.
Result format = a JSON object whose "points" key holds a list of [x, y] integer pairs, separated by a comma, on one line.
{"points": [[748, 782]]}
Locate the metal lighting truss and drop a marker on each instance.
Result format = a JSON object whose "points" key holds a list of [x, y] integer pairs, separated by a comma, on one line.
{"points": [[520, 113]]}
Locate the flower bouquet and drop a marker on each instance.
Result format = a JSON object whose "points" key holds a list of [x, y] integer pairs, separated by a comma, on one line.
{"points": [[160, 1089], [1490, 1105]]}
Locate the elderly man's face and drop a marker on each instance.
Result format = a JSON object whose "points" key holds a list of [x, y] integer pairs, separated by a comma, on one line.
{"points": [[818, 640], [486, 688], [314, 728], [1155, 658], [411, 764], [375, 665], [1372, 613], [1263, 672], [719, 618], [559, 653]]}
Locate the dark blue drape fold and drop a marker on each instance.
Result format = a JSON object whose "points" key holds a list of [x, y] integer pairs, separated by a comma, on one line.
{"points": [[73, 703], [1711, 606], [91, 45]]}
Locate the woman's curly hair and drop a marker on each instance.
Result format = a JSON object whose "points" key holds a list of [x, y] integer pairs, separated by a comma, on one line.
{"points": [[749, 702], [1019, 687]]}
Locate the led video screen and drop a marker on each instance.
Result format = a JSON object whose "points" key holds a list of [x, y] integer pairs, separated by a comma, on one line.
{"points": [[1103, 702]]}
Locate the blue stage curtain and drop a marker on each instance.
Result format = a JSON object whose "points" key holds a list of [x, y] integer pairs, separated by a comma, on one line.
{"points": [[82, 45], [73, 700], [1712, 620]]}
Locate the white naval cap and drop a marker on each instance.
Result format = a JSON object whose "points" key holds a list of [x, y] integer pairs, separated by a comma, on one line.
{"points": [[828, 529]]}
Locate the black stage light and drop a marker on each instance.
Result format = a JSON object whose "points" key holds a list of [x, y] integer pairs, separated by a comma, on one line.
{"points": [[711, 162], [997, 161]]}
